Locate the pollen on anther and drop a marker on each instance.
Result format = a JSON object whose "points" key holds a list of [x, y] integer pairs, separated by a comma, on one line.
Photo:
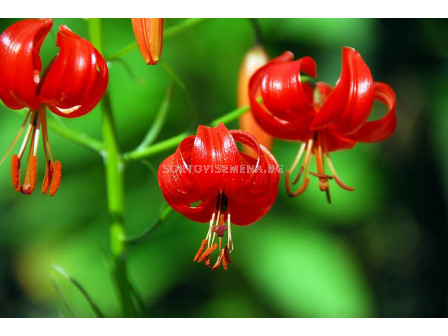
{"points": [[29, 182], [201, 249], [15, 172], [208, 252], [56, 179], [48, 176]]}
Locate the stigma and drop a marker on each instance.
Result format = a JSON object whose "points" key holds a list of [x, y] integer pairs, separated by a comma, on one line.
{"points": [[219, 225]]}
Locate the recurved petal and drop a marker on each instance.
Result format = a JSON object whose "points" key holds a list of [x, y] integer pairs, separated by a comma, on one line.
{"points": [[258, 192], [149, 36], [178, 187], [76, 80], [351, 101], [20, 64], [282, 90], [290, 129], [214, 148], [383, 128]]}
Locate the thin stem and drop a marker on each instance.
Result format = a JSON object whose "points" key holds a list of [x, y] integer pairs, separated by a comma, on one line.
{"points": [[155, 149], [172, 142], [159, 121], [114, 169], [167, 33], [166, 212]]}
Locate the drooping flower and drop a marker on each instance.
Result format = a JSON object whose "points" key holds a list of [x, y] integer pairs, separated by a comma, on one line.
{"points": [[149, 36], [324, 118], [254, 59], [71, 86], [208, 179]]}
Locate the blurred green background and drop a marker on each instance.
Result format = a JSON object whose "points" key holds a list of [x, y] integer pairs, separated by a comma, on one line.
{"points": [[379, 251]]}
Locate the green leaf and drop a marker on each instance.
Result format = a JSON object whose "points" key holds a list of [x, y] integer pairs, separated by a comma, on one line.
{"points": [[92, 304]]}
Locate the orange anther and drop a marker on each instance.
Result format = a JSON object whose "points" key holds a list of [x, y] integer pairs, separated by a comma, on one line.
{"points": [[207, 261], [224, 261], [15, 172], [47, 177], [56, 179], [208, 252], [29, 182], [217, 263], [201, 249]]}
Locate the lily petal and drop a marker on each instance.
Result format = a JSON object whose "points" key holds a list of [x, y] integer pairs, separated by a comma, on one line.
{"points": [[87, 70], [351, 101], [379, 130], [20, 64]]}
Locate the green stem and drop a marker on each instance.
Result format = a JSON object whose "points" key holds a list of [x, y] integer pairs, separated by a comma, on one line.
{"points": [[159, 121], [167, 33], [114, 169], [172, 142]]}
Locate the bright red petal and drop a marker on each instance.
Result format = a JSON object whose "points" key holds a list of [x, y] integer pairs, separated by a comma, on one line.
{"points": [[77, 79], [213, 165], [20, 64], [213, 149], [258, 192], [179, 189], [293, 128], [282, 90], [381, 129], [351, 101]]}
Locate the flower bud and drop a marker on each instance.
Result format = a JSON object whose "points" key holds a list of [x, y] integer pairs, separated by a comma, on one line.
{"points": [[254, 59], [149, 36]]}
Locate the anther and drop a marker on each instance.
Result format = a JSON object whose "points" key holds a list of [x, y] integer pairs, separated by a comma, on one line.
{"points": [[217, 263], [56, 179], [29, 182], [15, 172], [201, 249], [208, 252], [47, 177]]}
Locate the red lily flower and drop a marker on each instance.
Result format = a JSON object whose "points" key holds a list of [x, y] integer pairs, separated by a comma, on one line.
{"points": [[208, 168], [324, 118], [71, 86]]}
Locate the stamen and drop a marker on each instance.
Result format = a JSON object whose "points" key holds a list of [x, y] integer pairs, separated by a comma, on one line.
{"points": [[56, 179], [335, 176], [201, 249], [224, 261], [207, 252], [15, 172], [47, 177], [17, 137], [303, 169], [217, 263], [323, 178], [29, 182], [229, 237], [207, 261], [29, 130], [227, 254]]}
